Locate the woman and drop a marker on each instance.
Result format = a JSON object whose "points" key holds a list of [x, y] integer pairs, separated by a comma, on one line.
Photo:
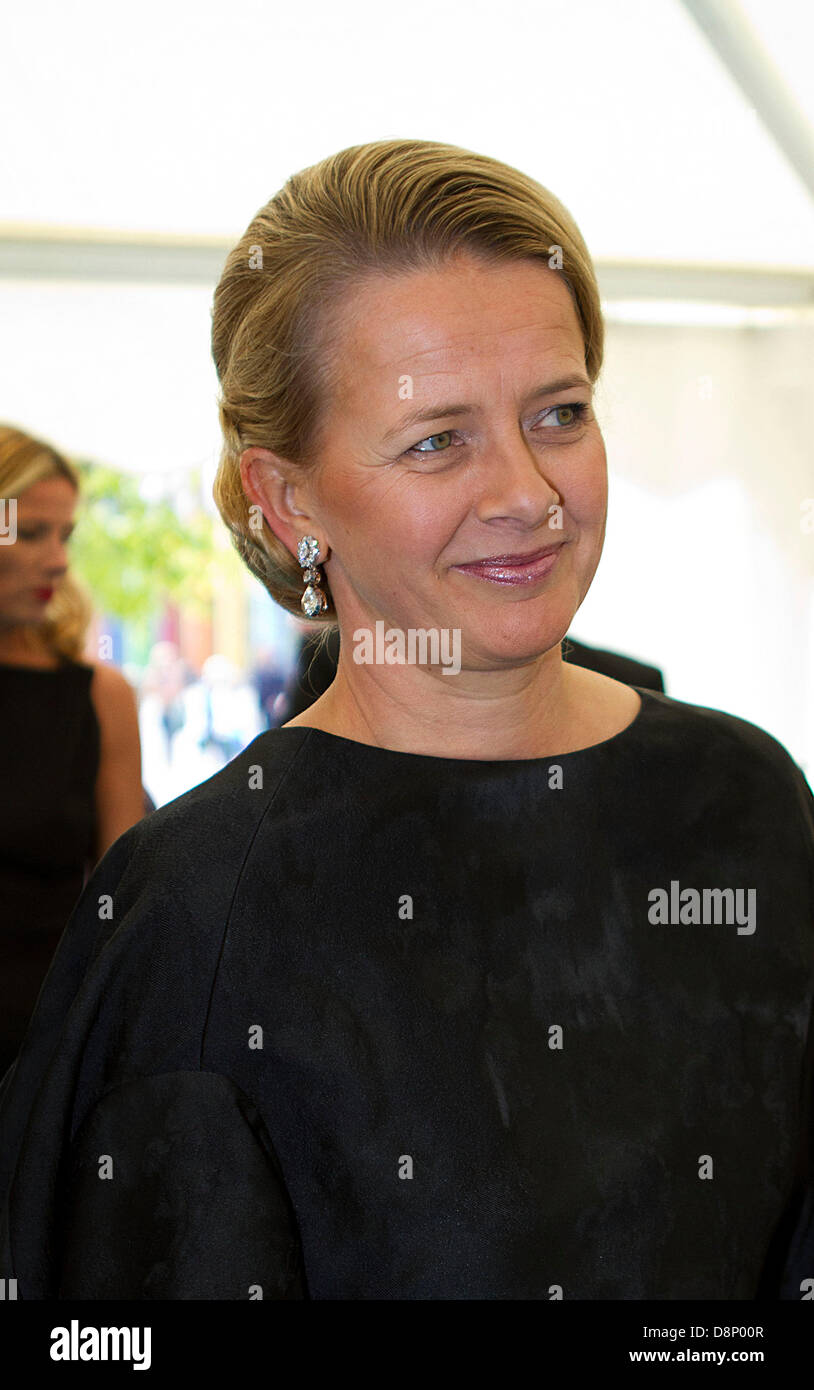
{"points": [[392, 1005], [70, 746]]}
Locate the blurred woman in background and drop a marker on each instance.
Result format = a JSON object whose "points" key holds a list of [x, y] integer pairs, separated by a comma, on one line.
{"points": [[69, 742]]}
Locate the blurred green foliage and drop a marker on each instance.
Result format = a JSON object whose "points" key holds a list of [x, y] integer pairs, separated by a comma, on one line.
{"points": [[135, 555]]}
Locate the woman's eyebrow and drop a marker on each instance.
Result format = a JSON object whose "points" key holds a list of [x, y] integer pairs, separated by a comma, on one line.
{"points": [[435, 412]]}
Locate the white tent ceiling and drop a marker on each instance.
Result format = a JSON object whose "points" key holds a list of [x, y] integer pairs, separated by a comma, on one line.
{"points": [[181, 118]]}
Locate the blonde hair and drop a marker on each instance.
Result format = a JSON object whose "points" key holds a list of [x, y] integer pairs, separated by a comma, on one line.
{"points": [[384, 208], [25, 461]]}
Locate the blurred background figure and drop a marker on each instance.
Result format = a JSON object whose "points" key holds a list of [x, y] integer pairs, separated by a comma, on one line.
{"points": [[192, 725], [162, 687], [229, 714], [162, 715], [69, 744], [270, 677]]}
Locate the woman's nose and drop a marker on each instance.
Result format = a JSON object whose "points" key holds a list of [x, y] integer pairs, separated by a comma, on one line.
{"points": [[57, 557], [516, 481]]}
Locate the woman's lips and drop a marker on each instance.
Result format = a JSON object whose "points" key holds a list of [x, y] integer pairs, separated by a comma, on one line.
{"points": [[526, 571], [44, 594]]}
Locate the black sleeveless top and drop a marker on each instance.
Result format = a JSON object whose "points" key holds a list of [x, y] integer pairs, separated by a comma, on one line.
{"points": [[49, 754]]}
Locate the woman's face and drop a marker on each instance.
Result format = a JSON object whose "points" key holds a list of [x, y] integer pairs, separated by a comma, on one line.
{"points": [[33, 564], [404, 504]]}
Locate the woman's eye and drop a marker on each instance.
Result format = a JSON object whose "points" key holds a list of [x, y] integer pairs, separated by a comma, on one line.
{"points": [[574, 413], [28, 533], [416, 448]]}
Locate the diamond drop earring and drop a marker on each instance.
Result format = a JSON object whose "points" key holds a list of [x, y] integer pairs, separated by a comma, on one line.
{"points": [[313, 601]]}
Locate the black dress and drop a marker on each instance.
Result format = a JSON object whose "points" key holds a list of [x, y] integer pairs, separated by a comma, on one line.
{"points": [[49, 759], [350, 1023]]}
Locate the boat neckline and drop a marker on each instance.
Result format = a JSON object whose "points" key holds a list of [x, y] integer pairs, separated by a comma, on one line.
{"points": [[646, 707]]}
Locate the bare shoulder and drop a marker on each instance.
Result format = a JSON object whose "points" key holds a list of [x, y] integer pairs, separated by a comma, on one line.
{"points": [[111, 691]]}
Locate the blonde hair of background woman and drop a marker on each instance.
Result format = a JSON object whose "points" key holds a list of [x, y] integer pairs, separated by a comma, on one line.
{"points": [[25, 461], [388, 207]]}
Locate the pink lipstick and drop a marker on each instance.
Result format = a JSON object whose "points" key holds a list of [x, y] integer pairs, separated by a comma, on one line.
{"points": [[517, 569]]}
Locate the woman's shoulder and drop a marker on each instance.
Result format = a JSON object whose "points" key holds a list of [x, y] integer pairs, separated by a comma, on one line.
{"points": [[220, 814], [164, 890], [715, 743], [113, 697], [711, 724]]}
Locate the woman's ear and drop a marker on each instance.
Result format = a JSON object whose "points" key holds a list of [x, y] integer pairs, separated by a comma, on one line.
{"points": [[268, 483]]}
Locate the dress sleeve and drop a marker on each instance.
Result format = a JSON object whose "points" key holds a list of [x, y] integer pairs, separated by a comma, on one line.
{"points": [[172, 1189]]}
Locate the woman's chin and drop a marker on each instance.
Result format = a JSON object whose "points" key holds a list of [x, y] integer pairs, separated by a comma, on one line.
{"points": [[513, 630], [488, 647]]}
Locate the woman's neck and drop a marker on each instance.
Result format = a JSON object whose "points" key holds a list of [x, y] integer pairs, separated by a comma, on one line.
{"points": [[545, 708], [21, 644]]}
